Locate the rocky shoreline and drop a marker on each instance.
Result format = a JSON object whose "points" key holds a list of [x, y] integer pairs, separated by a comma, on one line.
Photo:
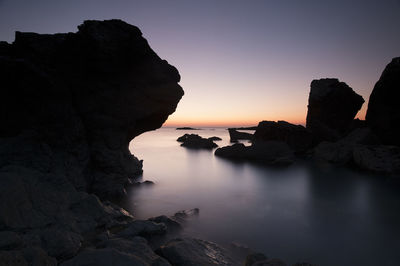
{"points": [[70, 105], [331, 133]]}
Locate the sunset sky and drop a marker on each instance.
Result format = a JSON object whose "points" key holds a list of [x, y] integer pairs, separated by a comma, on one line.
{"points": [[240, 61]]}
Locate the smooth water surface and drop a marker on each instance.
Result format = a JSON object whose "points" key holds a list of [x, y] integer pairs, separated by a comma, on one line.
{"points": [[310, 211]]}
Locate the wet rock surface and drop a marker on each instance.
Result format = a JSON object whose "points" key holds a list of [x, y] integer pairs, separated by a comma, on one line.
{"points": [[193, 252]]}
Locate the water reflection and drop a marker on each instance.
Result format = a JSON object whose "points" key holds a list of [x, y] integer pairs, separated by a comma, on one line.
{"points": [[306, 212]]}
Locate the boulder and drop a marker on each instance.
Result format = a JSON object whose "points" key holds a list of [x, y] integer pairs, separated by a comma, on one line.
{"points": [[259, 259], [363, 149], [136, 246], [172, 224], [193, 252], [195, 141], [332, 106], [378, 158], [296, 136], [383, 114], [273, 153], [104, 257], [143, 228], [237, 135]]}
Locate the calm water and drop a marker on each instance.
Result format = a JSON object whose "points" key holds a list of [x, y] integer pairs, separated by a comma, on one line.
{"points": [[308, 212]]}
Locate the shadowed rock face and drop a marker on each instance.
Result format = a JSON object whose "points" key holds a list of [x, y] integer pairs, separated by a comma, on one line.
{"points": [[383, 114], [296, 136], [332, 106], [81, 98]]}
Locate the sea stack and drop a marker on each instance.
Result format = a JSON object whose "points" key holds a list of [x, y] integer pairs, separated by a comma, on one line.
{"points": [[332, 106]]}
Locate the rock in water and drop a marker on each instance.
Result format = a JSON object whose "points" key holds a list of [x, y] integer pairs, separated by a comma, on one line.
{"points": [[296, 136], [332, 106], [383, 114], [85, 96], [195, 141], [237, 135]]}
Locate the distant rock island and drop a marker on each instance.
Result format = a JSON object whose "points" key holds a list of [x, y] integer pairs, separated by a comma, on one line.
{"points": [[187, 128]]}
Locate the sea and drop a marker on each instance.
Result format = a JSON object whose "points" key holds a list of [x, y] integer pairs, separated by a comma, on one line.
{"points": [[311, 211]]}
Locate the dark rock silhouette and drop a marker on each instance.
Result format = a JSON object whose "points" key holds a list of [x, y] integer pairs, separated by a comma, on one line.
{"points": [[195, 141], [87, 94], [245, 128], [332, 106], [296, 136], [215, 138], [383, 114], [187, 128], [70, 105], [274, 153], [237, 135]]}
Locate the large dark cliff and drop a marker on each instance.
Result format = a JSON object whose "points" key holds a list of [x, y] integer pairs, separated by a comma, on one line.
{"points": [[85, 95], [69, 106]]}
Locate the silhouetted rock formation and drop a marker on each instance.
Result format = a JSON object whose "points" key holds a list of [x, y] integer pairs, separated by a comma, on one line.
{"points": [[383, 114], [215, 138], [195, 141], [237, 135], [332, 106], [296, 136], [70, 105], [245, 128], [274, 153]]}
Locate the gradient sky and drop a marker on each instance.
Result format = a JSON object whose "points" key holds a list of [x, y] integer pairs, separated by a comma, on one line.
{"points": [[240, 61]]}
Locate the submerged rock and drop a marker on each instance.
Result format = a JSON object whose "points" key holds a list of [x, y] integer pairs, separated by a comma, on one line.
{"points": [[332, 106], [237, 135], [296, 136], [195, 141], [383, 114]]}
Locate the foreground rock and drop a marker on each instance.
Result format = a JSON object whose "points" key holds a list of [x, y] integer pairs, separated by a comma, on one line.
{"points": [[70, 105], [332, 106], [383, 114], [193, 252], [195, 141], [274, 153], [296, 136], [237, 135]]}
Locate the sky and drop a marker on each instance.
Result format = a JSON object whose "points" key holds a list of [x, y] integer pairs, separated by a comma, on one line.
{"points": [[240, 61]]}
